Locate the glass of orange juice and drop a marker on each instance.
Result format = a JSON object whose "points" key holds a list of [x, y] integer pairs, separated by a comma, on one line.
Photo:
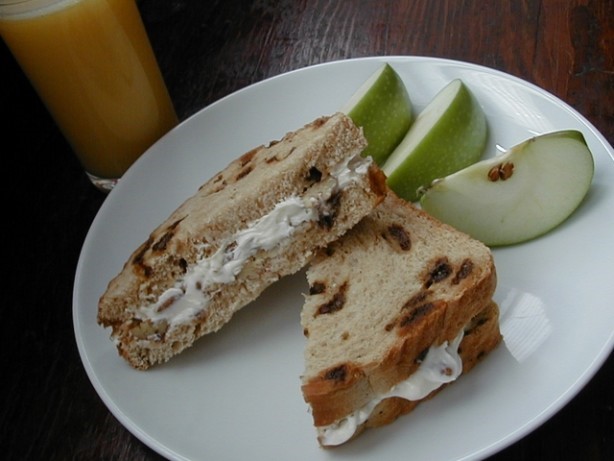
{"points": [[92, 64]]}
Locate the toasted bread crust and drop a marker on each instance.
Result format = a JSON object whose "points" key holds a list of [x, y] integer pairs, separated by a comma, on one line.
{"points": [[476, 344], [301, 164], [400, 282]]}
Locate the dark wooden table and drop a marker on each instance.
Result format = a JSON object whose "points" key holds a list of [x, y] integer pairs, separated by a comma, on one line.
{"points": [[208, 49]]}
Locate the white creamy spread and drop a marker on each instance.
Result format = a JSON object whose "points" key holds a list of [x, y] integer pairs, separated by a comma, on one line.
{"points": [[441, 365], [188, 297]]}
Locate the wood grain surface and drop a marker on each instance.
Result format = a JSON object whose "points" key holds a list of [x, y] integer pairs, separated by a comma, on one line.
{"points": [[207, 50]]}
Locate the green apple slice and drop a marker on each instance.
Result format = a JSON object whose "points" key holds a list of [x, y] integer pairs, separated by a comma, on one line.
{"points": [[381, 106], [449, 134], [518, 195]]}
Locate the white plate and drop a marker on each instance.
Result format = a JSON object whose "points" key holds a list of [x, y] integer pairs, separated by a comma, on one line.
{"points": [[236, 394]]}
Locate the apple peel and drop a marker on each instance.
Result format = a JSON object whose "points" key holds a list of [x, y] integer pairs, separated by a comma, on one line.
{"points": [[382, 108], [449, 134]]}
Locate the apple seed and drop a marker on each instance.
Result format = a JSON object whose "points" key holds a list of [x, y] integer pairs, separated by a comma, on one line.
{"points": [[502, 172]]}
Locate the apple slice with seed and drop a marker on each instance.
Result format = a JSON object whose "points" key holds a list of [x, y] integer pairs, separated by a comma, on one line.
{"points": [[381, 106], [449, 134], [518, 195]]}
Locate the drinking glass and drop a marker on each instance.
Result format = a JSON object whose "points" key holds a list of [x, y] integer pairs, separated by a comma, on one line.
{"points": [[92, 65]]}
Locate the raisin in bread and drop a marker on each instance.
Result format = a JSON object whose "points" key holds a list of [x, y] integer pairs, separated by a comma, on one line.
{"points": [[396, 309], [262, 217]]}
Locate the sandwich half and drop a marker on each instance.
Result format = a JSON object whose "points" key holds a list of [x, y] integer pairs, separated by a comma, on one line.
{"points": [[263, 217], [397, 308]]}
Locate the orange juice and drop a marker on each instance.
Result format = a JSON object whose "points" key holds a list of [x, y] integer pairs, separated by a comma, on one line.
{"points": [[92, 64]]}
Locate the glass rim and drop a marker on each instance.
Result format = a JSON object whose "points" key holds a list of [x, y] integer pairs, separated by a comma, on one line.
{"points": [[13, 8], [18, 2]]}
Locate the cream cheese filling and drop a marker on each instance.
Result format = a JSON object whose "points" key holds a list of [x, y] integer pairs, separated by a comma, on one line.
{"points": [[188, 297], [442, 364]]}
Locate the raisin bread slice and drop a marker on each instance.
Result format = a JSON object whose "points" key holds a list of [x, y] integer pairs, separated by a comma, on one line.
{"points": [[261, 218], [388, 301]]}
